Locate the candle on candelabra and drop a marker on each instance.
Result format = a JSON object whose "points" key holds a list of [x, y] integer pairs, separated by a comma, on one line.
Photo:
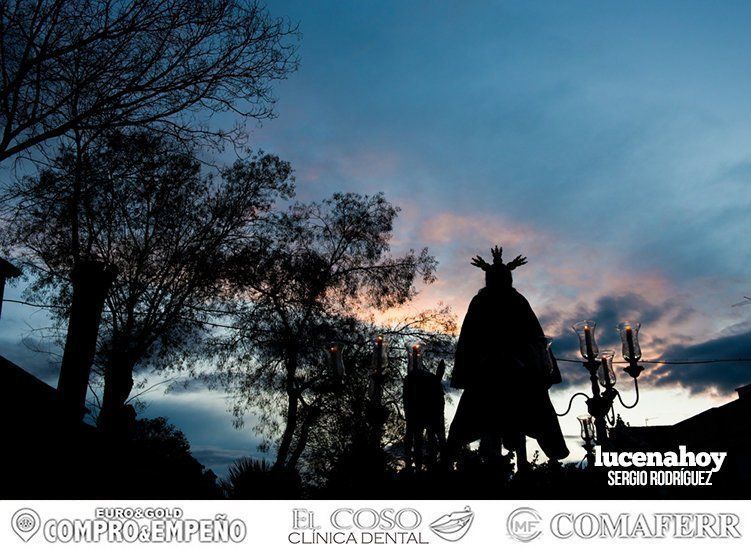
{"points": [[630, 342], [585, 331], [336, 363], [629, 332], [332, 355], [587, 423], [588, 342], [588, 431], [378, 354], [605, 373], [380, 360]]}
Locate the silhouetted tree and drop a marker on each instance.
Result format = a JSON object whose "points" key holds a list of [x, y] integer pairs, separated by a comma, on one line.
{"points": [[87, 66], [157, 463], [322, 264], [170, 231]]}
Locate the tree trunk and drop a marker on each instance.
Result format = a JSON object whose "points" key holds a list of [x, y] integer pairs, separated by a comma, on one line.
{"points": [[91, 282], [116, 418], [292, 407], [289, 431], [302, 440]]}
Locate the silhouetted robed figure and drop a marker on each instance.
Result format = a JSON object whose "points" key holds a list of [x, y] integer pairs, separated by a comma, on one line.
{"points": [[424, 402], [504, 367]]}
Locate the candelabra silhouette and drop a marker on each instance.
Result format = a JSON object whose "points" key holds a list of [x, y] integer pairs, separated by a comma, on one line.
{"points": [[599, 364]]}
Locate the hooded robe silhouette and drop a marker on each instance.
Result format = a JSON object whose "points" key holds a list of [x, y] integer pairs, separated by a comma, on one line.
{"points": [[505, 369]]}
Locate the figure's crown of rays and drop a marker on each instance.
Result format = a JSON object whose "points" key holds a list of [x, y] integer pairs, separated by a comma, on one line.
{"points": [[497, 254]]}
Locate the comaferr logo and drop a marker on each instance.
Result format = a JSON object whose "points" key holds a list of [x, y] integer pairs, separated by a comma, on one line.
{"points": [[641, 525], [524, 524]]}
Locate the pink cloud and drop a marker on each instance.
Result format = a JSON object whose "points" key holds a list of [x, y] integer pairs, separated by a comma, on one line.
{"points": [[562, 278]]}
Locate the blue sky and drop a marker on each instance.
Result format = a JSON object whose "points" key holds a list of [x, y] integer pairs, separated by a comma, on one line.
{"points": [[608, 141]]}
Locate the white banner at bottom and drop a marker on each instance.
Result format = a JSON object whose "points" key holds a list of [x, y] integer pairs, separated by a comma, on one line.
{"points": [[304, 523]]}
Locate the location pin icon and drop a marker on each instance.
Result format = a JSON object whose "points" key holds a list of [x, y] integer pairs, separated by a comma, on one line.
{"points": [[25, 523]]}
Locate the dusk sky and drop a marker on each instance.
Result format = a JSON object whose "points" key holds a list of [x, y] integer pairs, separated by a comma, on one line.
{"points": [[609, 142]]}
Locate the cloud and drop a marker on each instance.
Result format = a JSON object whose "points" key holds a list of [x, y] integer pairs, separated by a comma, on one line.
{"points": [[713, 378], [449, 227], [204, 417], [556, 281], [660, 338], [23, 354], [608, 311]]}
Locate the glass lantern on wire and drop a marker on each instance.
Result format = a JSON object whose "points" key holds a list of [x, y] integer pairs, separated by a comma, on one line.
{"points": [[605, 373], [585, 330], [629, 332], [547, 358], [587, 423]]}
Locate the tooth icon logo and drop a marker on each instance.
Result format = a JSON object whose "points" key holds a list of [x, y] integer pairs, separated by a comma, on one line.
{"points": [[25, 523], [454, 526]]}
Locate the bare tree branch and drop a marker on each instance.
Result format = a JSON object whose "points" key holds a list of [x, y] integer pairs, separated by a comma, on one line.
{"points": [[93, 65]]}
